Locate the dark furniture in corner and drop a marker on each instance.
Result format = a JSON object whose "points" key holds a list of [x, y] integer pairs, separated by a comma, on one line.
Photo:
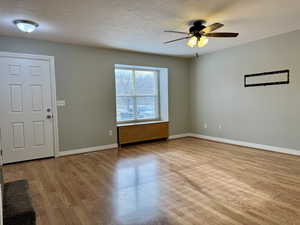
{"points": [[17, 205]]}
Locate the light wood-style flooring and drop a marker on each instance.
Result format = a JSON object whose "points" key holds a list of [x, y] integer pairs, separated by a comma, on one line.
{"points": [[186, 181]]}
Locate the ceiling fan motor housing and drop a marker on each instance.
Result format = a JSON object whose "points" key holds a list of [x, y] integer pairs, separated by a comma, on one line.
{"points": [[198, 26]]}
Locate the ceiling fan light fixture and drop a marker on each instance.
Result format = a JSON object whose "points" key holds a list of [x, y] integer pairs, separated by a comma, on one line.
{"points": [[192, 42], [197, 41], [198, 34], [202, 42], [26, 26]]}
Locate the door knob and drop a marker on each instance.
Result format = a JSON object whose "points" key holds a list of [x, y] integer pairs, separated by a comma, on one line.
{"points": [[49, 116]]}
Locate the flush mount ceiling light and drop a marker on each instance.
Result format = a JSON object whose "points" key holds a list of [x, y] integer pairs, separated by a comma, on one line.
{"points": [[26, 26]]}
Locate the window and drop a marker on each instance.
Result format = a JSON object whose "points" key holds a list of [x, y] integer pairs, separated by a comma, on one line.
{"points": [[137, 93]]}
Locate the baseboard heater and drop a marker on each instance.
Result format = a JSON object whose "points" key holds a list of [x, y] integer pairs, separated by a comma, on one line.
{"points": [[138, 132]]}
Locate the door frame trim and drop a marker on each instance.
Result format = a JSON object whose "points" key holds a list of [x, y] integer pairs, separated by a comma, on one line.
{"points": [[52, 89]]}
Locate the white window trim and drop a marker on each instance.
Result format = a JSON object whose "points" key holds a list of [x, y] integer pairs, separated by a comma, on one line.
{"points": [[162, 89], [135, 96]]}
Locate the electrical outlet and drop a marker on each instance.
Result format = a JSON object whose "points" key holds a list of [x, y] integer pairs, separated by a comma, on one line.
{"points": [[110, 132], [205, 125]]}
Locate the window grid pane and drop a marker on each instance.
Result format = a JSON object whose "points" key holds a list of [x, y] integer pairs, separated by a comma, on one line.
{"points": [[140, 100], [146, 108], [145, 82], [124, 82], [125, 108]]}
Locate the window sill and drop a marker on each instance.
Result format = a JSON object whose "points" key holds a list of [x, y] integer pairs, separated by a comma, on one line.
{"points": [[140, 123]]}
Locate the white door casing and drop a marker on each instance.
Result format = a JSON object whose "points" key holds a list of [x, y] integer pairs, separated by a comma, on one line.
{"points": [[27, 98]]}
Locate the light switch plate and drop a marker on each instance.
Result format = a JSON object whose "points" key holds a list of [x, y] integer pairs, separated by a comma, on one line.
{"points": [[61, 103]]}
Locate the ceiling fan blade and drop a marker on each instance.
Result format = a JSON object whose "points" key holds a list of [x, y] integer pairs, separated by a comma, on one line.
{"points": [[222, 34], [177, 32], [212, 27], [167, 42]]}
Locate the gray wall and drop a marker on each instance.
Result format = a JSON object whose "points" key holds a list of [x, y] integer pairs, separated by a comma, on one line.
{"points": [[85, 79], [265, 115], [204, 90]]}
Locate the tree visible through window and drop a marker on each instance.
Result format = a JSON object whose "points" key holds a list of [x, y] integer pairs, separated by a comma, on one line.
{"points": [[137, 94]]}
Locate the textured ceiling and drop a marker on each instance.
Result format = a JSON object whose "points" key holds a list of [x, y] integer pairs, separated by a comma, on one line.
{"points": [[138, 25]]}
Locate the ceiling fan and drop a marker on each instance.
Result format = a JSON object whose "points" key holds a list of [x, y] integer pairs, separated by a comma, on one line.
{"points": [[198, 34]]}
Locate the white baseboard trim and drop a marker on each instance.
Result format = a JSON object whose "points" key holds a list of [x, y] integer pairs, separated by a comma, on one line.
{"points": [[85, 150], [178, 136], [248, 144], [210, 138]]}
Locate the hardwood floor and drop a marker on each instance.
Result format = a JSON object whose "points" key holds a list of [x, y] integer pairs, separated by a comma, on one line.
{"points": [[185, 181]]}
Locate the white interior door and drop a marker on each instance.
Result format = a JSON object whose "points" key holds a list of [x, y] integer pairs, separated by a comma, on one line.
{"points": [[25, 101]]}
